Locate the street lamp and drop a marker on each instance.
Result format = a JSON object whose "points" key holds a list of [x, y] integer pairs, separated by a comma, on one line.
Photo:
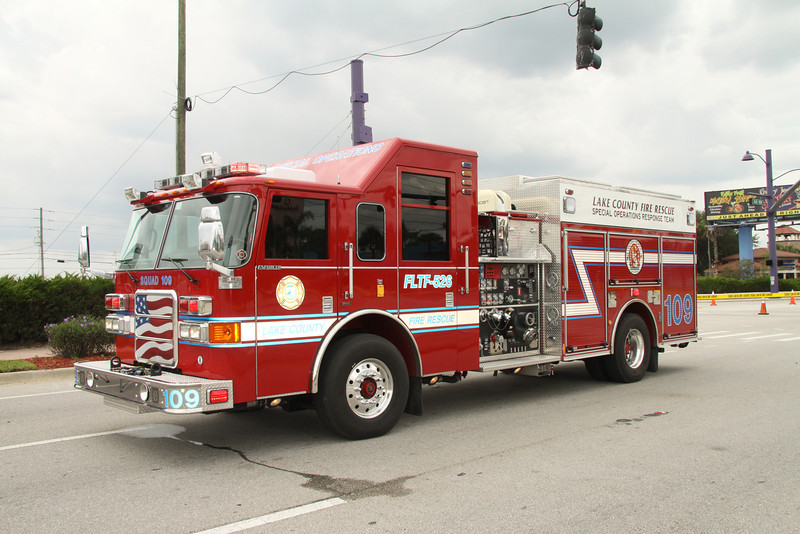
{"points": [[771, 208]]}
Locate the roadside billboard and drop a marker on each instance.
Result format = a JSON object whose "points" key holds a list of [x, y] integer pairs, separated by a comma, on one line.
{"points": [[748, 206]]}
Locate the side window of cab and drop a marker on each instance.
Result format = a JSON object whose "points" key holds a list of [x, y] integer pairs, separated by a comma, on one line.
{"points": [[297, 229]]}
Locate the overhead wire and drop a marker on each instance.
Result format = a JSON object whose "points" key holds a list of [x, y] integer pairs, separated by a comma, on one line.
{"points": [[113, 175], [374, 53], [445, 36]]}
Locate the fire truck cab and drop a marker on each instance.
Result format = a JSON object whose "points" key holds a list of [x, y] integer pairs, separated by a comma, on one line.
{"points": [[348, 280]]}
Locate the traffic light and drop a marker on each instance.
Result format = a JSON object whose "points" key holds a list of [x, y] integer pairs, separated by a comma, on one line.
{"points": [[588, 41]]}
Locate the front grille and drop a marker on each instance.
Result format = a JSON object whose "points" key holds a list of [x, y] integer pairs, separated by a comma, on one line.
{"points": [[155, 327]]}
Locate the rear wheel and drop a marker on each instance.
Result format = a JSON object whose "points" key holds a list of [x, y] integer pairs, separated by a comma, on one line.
{"points": [[596, 368], [363, 387], [631, 356]]}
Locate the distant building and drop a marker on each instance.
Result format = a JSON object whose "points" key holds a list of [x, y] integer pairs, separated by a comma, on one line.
{"points": [[788, 262], [787, 235]]}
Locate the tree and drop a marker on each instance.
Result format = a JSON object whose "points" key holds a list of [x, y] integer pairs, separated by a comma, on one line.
{"points": [[713, 243]]}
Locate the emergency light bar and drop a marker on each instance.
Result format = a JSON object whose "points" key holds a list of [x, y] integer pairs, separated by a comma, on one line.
{"points": [[201, 179], [234, 169]]}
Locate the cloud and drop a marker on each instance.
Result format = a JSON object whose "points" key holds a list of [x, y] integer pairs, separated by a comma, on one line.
{"points": [[685, 88]]}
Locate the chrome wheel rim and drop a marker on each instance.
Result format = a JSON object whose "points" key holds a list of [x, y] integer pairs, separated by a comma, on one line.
{"points": [[369, 388], [634, 349]]}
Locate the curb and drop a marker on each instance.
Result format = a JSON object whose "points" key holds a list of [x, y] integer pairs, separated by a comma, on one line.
{"points": [[30, 377]]}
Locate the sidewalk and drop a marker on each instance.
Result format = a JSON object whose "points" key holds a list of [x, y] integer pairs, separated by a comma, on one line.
{"points": [[24, 353]]}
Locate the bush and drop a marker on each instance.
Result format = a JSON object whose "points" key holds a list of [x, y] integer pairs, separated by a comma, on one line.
{"points": [[79, 337], [28, 304]]}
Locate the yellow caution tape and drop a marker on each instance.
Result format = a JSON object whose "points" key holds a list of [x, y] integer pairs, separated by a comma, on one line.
{"points": [[785, 294]]}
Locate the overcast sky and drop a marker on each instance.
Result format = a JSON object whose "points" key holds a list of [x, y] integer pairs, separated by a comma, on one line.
{"points": [[686, 86]]}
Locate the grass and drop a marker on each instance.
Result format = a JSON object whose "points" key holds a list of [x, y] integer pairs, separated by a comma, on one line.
{"points": [[9, 366]]}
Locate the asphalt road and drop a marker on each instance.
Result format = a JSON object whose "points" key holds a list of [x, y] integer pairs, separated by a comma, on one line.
{"points": [[708, 444]]}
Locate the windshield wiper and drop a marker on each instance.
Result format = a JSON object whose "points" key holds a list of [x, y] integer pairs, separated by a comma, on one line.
{"points": [[126, 262], [178, 262]]}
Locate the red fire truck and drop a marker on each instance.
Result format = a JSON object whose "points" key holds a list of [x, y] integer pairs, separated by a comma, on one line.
{"points": [[346, 281]]}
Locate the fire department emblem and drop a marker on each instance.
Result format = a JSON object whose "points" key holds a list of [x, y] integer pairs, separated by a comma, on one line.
{"points": [[634, 256], [290, 292]]}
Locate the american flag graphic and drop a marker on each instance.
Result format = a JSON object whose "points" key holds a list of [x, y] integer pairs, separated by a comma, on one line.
{"points": [[155, 352], [153, 304], [154, 328]]}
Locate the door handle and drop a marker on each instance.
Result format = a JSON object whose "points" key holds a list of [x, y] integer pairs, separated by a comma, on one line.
{"points": [[465, 250], [348, 294]]}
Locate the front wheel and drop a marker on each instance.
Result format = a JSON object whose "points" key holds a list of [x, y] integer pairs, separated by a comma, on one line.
{"points": [[363, 387], [631, 356]]}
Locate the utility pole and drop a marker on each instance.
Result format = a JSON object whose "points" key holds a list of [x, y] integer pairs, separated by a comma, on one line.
{"points": [[41, 240], [180, 110]]}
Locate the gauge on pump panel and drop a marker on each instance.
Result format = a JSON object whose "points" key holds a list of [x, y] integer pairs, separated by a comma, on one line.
{"points": [[552, 280]]}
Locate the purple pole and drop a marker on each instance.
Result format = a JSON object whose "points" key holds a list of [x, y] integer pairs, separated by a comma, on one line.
{"points": [[361, 132]]}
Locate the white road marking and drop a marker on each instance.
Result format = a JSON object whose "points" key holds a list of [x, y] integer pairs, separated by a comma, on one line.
{"points": [[731, 335], [764, 337], [70, 438], [39, 394], [274, 517]]}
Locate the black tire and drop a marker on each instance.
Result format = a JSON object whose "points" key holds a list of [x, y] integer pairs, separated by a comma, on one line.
{"points": [[596, 368], [631, 356], [363, 387]]}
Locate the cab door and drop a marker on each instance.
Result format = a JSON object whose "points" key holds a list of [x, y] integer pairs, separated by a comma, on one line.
{"points": [[368, 259], [296, 288], [431, 247]]}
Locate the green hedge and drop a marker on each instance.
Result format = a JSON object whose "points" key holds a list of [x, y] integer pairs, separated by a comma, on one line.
{"points": [[28, 304], [707, 284]]}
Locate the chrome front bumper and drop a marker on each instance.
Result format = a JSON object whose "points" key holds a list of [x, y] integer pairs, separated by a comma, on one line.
{"points": [[134, 388]]}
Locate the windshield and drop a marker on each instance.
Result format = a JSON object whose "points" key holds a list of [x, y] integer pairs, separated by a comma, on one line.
{"points": [[149, 230]]}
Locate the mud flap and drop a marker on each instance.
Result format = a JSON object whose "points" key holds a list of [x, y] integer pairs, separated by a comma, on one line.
{"points": [[652, 367], [414, 402]]}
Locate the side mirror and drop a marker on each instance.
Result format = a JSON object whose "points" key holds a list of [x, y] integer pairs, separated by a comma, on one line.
{"points": [[83, 248], [211, 240], [211, 235]]}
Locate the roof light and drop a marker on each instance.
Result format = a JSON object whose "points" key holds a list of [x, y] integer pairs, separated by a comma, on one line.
{"points": [[194, 181], [169, 183], [248, 168], [234, 169], [132, 194], [211, 159]]}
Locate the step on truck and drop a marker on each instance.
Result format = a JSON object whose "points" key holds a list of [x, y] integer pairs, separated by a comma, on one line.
{"points": [[347, 281]]}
